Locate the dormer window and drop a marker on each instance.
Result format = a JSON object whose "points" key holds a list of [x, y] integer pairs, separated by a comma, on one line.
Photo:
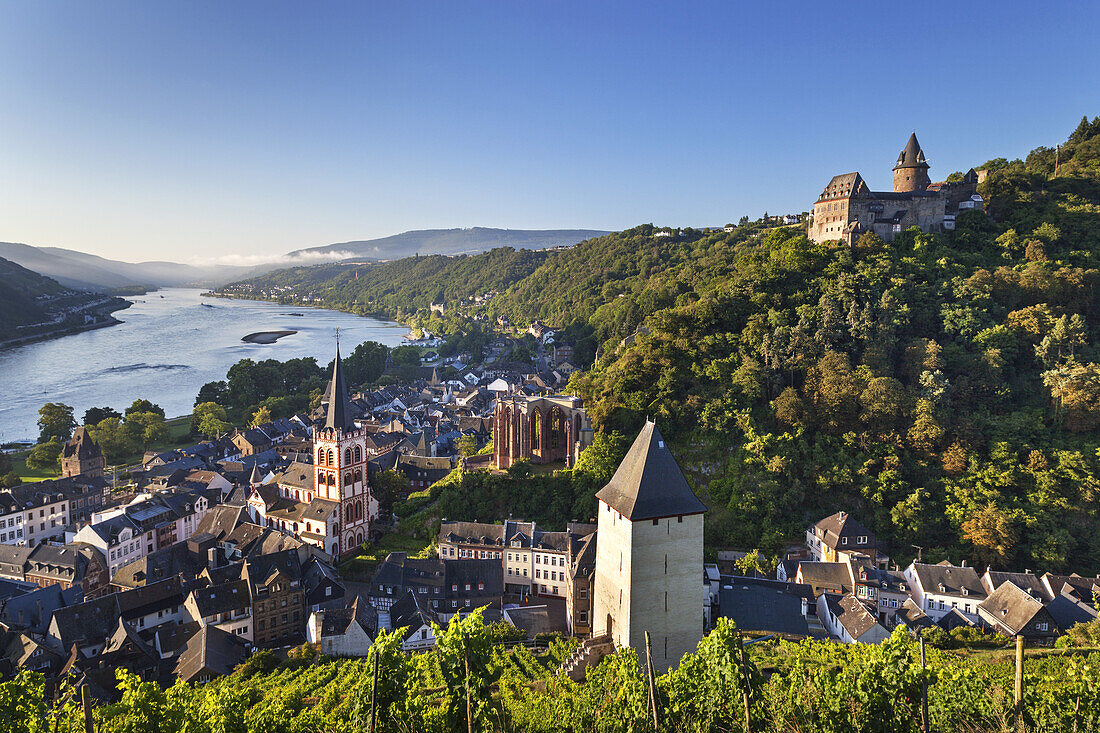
{"points": [[942, 588]]}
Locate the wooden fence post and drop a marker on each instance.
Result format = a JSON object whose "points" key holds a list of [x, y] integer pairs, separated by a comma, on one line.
{"points": [[86, 701], [374, 696], [745, 680], [924, 688], [1019, 676], [651, 682]]}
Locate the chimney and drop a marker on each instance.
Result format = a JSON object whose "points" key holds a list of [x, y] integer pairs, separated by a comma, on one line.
{"points": [[212, 558], [963, 564]]}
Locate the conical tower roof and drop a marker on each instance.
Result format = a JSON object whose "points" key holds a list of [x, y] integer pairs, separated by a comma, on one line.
{"points": [[912, 156], [648, 483], [339, 411], [255, 478]]}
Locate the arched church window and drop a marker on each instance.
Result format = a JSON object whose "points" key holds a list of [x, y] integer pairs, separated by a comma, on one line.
{"points": [[358, 454]]}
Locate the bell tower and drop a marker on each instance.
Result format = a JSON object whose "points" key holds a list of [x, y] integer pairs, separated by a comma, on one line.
{"points": [[911, 170], [340, 465]]}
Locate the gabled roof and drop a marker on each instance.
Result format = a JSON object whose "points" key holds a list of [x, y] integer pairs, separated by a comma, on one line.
{"points": [[949, 580], [851, 614], [211, 650], [648, 483], [1010, 607]]}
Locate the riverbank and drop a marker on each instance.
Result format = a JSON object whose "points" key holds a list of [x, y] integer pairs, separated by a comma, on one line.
{"points": [[104, 313]]}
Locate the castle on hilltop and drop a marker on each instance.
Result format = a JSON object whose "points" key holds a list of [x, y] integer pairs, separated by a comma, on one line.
{"points": [[848, 208]]}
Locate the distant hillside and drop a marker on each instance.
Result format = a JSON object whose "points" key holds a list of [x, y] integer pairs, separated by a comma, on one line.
{"points": [[394, 288], [19, 287], [90, 272], [34, 307], [453, 241]]}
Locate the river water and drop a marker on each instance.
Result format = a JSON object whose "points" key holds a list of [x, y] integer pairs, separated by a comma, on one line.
{"points": [[167, 346]]}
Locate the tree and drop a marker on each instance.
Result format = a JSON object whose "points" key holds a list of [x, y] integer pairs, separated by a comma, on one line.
{"points": [[467, 445], [143, 405], [755, 562], [261, 416], [599, 460], [45, 456], [96, 415], [114, 439], [202, 410], [366, 363], [406, 356], [386, 486], [213, 392], [990, 531], [211, 426], [55, 420], [147, 428]]}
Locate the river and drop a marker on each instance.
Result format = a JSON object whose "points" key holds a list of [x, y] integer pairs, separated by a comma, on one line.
{"points": [[168, 345]]}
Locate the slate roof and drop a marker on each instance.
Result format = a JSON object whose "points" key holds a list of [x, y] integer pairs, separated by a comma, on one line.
{"points": [[412, 612], [81, 446], [211, 650], [338, 414], [1068, 610], [648, 483], [992, 580], [912, 156], [953, 579], [337, 621], [297, 476], [851, 614], [831, 575], [771, 606], [833, 527], [222, 597], [1011, 607], [220, 520], [534, 620], [912, 616], [13, 560]]}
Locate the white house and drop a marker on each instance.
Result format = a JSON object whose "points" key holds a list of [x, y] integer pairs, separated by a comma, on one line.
{"points": [[845, 618], [413, 614], [343, 632], [939, 588]]}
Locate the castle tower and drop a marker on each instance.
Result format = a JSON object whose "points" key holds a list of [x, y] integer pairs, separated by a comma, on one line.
{"points": [[81, 456], [649, 555], [340, 465], [911, 171]]}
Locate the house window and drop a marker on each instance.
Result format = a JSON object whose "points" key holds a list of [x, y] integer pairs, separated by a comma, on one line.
{"points": [[582, 617], [1041, 627]]}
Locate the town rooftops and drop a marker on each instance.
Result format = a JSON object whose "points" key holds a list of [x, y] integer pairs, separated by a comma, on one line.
{"points": [[836, 526], [212, 651], [648, 483], [81, 446]]}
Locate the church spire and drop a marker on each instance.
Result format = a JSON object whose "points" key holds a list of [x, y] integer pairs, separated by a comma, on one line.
{"points": [[339, 411]]}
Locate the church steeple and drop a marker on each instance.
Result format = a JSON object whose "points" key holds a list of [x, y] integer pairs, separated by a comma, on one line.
{"points": [[338, 416], [911, 170]]}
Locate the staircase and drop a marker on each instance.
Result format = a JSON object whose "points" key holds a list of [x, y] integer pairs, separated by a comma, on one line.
{"points": [[588, 654]]}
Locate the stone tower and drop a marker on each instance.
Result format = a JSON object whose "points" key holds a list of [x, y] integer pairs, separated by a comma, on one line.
{"points": [[911, 171], [82, 457], [340, 464], [649, 555]]}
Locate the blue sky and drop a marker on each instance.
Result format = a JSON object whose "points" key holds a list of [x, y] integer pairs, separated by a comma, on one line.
{"points": [[241, 130]]}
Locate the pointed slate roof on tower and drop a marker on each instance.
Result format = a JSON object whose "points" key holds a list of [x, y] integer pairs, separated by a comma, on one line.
{"points": [[338, 415], [648, 483], [81, 446], [912, 156]]}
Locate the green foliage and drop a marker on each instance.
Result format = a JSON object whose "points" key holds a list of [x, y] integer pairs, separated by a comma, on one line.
{"points": [[55, 420], [45, 455]]}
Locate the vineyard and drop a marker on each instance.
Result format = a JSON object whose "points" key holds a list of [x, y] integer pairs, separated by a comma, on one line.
{"points": [[473, 682]]}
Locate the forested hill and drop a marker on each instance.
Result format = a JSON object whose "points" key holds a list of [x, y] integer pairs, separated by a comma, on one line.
{"points": [[944, 387], [19, 288], [399, 288]]}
